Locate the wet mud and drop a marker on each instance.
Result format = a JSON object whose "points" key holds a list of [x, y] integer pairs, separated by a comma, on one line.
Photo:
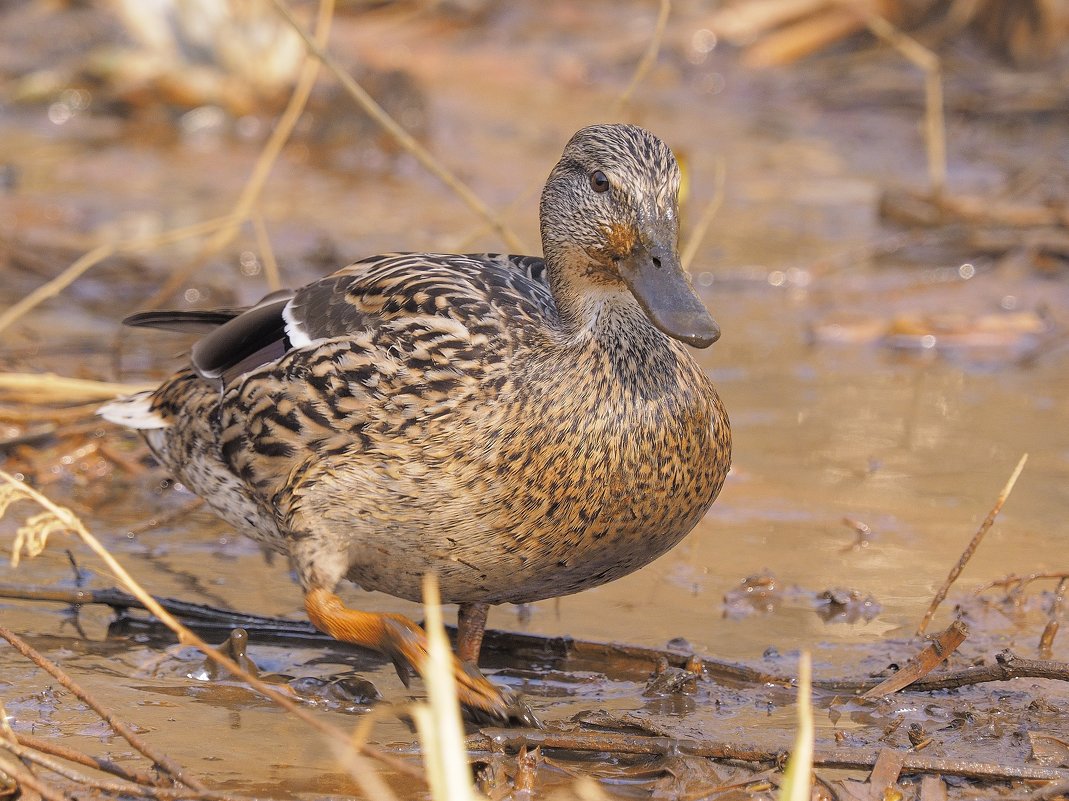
{"points": [[884, 371]]}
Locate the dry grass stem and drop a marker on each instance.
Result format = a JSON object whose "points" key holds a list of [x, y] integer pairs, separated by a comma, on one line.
{"points": [[118, 726], [1014, 583], [464, 242], [272, 274], [802, 38], [1050, 631], [929, 62], [649, 56], [439, 724], [403, 137], [280, 134], [972, 546], [67, 415], [97, 255], [124, 789], [26, 779], [798, 777], [167, 518], [78, 758], [360, 768], [694, 241], [366, 778], [743, 22], [51, 388]]}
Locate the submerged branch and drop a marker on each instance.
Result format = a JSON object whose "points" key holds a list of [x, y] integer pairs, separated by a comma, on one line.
{"points": [[840, 757], [207, 618]]}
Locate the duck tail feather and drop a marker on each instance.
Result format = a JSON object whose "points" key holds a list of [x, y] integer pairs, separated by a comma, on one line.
{"points": [[133, 411]]}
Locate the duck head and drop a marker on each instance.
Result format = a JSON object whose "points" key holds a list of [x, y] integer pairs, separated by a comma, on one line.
{"points": [[610, 219]]}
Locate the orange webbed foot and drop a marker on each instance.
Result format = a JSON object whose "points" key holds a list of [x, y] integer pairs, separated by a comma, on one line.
{"points": [[406, 645]]}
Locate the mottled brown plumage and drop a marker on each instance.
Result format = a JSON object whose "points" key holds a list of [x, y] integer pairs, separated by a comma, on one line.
{"points": [[523, 428]]}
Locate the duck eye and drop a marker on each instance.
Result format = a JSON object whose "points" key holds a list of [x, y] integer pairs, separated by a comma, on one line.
{"points": [[598, 181]]}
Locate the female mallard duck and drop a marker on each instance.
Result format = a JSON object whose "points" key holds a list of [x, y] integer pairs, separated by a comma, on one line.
{"points": [[525, 428]]}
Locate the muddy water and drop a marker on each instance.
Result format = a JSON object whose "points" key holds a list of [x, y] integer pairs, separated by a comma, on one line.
{"points": [[915, 442]]}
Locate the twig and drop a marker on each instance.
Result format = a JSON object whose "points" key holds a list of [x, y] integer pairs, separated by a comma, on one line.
{"points": [[744, 22], [1007, 666], [198, 613], [1035, 225], [635, 657], [647, 60], [970, 549], [280, 134], [169, 517], [930, 657], [267, 253], [120, 728], [1016, 583], [1055, 790], [29, 436], [465, 241], [1050, 631], [69, 754], [24, 777], [64, 414], [366, 777], [57, 284], [149, 790], [928, 61], [641, 69], [49, 387], [97, 255], [131, 466], [841, 757], [800, 38], [690, 250], [404, 139]]}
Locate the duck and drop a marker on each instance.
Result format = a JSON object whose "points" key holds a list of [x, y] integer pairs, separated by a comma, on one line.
{"points": [[522, 427]]}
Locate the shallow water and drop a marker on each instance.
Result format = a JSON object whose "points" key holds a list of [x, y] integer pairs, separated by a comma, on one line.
{"points": [[914, 442]]}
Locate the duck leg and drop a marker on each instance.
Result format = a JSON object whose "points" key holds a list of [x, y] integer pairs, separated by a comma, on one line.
{"points": [[471, 623], [405, 643]]}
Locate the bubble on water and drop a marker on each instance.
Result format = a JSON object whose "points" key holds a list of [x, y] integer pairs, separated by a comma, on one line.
{"points": [[703, 40], [59, 113], [250, 265]]}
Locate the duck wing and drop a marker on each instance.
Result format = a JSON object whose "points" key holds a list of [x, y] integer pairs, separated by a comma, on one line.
{"points": [[471, 289]]}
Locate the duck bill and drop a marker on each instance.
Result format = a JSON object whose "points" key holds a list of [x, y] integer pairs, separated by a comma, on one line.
{"points": [[658, 282]]}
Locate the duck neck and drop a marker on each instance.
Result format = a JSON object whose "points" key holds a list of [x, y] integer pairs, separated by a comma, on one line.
{"points": [[592, 306]]}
